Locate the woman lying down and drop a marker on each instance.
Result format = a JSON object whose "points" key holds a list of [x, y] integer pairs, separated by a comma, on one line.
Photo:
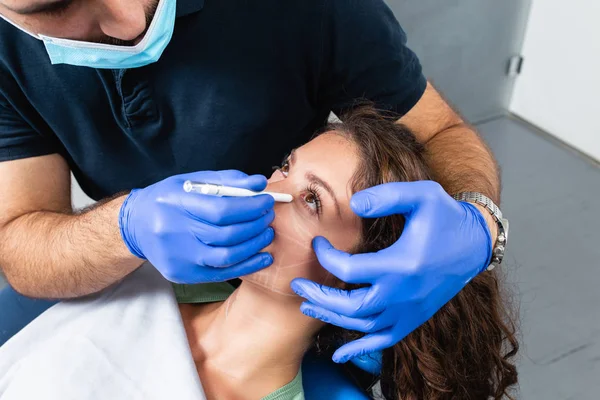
{"points": [[146, 339]]}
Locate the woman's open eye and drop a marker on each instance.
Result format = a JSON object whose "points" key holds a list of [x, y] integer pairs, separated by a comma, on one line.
{"points": [[285, 168], [312, 201]]}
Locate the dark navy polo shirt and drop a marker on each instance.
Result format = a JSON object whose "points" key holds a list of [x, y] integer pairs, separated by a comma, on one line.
{"points": [[240, 85]]}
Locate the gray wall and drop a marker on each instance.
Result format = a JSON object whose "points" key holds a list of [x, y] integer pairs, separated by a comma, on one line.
{"points": [[465, 46]]}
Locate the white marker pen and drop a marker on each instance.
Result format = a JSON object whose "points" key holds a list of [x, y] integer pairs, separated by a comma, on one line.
{"points": [[219, 190]]}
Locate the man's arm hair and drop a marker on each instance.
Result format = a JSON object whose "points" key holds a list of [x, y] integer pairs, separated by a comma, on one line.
{"points": [[46, 249], [460, 160]]}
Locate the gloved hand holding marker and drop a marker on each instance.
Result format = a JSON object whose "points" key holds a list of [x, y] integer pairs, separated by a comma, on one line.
{"points": [[193, 239], [220, 190]]}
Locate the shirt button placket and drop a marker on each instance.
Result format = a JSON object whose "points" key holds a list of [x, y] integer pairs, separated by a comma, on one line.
{"points": [[138, 107]]}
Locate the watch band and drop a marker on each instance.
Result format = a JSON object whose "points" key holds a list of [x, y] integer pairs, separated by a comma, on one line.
{"points": [[494, 210]]}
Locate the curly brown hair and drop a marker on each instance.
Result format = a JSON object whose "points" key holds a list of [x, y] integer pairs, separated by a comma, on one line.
{"points": [[467, 349]]}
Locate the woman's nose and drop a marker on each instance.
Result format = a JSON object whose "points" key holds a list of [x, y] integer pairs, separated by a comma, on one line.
{"points": [[281, 214], [277, 176], [123, 20], [277, 183]]}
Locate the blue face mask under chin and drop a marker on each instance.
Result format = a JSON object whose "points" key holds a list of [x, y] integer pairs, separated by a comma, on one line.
{"points": [[105, 56]]}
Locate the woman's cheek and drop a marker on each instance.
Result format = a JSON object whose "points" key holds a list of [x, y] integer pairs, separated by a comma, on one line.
{"points": [[293, 255]]}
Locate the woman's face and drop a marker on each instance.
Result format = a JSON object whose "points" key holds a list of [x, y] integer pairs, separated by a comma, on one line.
{"points": [[318, 175]]}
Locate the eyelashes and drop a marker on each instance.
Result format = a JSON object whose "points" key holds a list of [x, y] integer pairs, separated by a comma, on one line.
{"points": [[311, 197], [284, 168]]}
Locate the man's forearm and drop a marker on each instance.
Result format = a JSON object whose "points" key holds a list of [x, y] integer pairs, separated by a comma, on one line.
{"points": [[53, 255], [461, 162], [457, 156]]}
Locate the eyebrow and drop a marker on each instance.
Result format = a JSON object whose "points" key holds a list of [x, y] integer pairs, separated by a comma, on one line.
{"points": [[44, 6], [318, 181]]}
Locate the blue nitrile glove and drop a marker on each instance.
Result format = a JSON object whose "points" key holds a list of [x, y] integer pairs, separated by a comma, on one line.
{"points": [[444, 245], [194, 238], [322, 379], [371, 362]]}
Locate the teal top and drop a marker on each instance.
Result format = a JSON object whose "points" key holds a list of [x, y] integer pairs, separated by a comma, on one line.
{"points": [[215, 292]]}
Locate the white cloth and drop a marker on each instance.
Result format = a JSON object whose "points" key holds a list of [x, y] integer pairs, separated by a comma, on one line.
{"points": [[127, 342]]}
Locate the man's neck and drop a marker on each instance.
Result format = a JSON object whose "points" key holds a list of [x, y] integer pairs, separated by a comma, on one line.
{"points": [[250, 345]]}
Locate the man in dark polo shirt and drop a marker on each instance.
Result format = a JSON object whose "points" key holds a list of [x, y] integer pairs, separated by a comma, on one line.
{"points": [[144, 91]]}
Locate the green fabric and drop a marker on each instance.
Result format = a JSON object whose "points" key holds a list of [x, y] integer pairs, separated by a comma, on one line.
{"points": [[291, 391], [204, 293], [215, 292]]}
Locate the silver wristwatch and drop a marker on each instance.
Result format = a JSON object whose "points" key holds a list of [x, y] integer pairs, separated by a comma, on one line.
{"points": [[500, 245]]}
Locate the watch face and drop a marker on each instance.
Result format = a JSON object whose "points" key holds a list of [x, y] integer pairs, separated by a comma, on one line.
{"points": [[505, 225]]}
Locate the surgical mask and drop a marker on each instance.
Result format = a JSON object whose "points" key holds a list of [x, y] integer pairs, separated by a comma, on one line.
{"points": [[105, 56]]}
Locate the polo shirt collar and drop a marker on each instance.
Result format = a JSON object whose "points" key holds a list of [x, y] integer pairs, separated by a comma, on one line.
{"points": [[186, 7]]}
